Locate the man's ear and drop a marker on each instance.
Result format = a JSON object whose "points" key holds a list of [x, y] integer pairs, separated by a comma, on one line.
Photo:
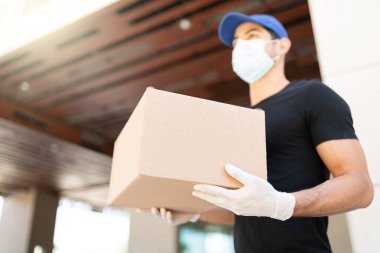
{"points": [[285, 45]]}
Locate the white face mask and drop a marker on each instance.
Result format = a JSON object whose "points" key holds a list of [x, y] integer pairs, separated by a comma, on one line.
{"points": [[250, 61]]}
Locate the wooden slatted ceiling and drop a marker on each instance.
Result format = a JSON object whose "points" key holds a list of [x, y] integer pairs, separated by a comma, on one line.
{"points": [[21, 114], [92, 73], [28, 158]]}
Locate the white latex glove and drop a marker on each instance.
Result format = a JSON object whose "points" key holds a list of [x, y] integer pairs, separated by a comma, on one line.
{"points": [[174, 217], [257, 197]]}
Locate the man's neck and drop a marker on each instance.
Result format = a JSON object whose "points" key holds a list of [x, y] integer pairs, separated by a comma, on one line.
{"points": [[268, 85]]}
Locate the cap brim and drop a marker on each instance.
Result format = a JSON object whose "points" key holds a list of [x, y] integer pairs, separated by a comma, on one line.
{"points": [[228, 25]]}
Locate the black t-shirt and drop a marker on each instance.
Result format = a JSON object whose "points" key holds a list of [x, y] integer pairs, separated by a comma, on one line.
{"points": [[299, 117]]}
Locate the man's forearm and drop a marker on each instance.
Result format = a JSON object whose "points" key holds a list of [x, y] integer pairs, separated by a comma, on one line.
{"points": [[337, 195], [219, 216]]}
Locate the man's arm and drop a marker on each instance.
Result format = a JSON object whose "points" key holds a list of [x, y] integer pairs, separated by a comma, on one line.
{"points": [[349, 189], [219, 216]]}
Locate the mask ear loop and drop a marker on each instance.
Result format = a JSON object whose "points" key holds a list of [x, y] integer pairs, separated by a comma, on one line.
{"points": [[277, 55]]}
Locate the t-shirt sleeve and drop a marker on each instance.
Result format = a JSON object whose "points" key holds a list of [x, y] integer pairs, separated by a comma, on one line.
{"points": [[328, 115]]}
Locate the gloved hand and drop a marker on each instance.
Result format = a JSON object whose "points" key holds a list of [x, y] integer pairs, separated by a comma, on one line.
{"points": [[174, 217], [257, 197]]}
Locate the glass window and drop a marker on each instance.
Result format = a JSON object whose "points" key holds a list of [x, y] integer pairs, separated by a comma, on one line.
{"points": [[202, 237], [79, 228]]}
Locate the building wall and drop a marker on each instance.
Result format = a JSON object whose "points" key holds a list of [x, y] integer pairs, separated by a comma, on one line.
{"points": [[347, 38], [28, 221], [151, 234], [16, 221]]}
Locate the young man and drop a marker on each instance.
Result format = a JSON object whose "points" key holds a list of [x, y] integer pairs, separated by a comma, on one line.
{"points": [[310, 134]]}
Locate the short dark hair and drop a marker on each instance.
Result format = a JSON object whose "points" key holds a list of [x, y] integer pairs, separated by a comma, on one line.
{"points": [[272, 34]]}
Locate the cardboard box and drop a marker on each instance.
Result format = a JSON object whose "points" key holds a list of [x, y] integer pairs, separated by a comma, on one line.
{"points": [[172, 142]]}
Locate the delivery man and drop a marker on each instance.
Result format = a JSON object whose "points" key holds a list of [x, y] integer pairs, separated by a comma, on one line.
{"points": [[309, 134]]}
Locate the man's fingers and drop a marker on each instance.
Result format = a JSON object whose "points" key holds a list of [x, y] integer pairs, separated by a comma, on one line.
{"points": [[163, 213], [219, 201], [213, 190], [169, 216], [155, 211], [239, 174]]}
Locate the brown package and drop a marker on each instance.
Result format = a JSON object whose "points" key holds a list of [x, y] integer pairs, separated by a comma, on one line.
{"points": [[172, 142]]}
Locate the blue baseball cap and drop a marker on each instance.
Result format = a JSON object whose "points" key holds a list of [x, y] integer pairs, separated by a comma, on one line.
{"points": [[232, 20]]}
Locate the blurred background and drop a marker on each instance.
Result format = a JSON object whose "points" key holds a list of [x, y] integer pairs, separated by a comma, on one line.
{"points": [[71, 73]]}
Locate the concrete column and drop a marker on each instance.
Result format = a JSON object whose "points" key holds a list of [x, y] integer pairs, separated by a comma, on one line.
{"points": [[347, 39], [28, 221], [150, 234], [339, 234]]}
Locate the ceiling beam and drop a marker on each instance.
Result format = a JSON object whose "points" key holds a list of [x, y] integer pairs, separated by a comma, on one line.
{"points": [[26, 117]]}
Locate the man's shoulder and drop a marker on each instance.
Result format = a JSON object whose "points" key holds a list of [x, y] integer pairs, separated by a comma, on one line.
{"points": [[306, 84], [316, 94], [311, 87]]}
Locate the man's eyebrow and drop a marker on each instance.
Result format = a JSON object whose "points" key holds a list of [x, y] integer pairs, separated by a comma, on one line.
{"points": [[250, 30]]}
